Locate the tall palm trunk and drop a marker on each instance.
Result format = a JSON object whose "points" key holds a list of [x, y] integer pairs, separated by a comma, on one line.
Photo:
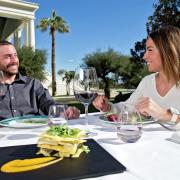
{"points": [[53, 65], [106, 88]]}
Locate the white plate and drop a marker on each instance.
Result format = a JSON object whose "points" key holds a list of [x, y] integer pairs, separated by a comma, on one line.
{"points": [[144, 121], [25, 122]]}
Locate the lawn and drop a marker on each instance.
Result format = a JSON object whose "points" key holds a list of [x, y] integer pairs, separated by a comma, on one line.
{"points": [[71, 101]]}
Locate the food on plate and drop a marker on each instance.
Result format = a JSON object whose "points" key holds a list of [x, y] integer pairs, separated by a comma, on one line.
{"points": [[35, 121], [146, 118], [21, 165], [61, 141], [112, 117], [56, 143]]}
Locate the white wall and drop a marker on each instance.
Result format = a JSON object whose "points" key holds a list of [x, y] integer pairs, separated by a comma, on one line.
{"points": [[60, 85]]}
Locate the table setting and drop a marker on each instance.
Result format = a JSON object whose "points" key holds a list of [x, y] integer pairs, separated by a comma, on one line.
{"points": [[99, 145], [153, 156]]}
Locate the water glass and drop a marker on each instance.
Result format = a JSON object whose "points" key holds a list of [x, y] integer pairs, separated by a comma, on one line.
{"points": [[57, 115], [129, 125]]}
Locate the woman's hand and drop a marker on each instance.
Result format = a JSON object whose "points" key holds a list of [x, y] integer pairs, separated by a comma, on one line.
{"points": [[101, 103], [148, 107], [72, 112]]}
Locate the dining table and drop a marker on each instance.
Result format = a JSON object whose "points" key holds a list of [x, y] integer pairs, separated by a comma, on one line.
{"points": [[153, 157]]}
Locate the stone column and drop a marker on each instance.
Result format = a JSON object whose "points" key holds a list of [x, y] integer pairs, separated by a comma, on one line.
{"points": [[17, 38], [9, 39], [31, 33], [26, 34]]}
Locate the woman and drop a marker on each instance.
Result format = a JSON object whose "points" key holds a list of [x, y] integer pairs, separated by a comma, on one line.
{"points": [[158, 94]]}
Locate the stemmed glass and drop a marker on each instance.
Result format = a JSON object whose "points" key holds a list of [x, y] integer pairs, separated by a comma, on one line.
{"points": [[2, 84], [85, 87]]}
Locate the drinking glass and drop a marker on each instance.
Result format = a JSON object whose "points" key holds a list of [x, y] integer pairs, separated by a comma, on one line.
{"points": [[2, 84], [129, 126], [57, 115], [85, 86]]}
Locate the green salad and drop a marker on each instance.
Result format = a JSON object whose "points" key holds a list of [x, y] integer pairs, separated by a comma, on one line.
{"points": [[64, 131], [35, 121], [146, 118]]}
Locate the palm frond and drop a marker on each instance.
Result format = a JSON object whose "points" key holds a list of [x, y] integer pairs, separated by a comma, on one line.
{"points": [[43, 24]]}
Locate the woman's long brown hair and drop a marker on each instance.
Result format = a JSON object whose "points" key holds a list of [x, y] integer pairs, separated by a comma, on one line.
{"points": [[167, 40]]}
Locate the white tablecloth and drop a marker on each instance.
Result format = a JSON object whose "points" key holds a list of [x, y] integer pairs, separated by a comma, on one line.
{"points": [[152, 157]]}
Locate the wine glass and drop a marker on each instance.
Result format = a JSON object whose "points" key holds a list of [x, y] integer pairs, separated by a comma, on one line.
{"points": [[129, 124], [57, 115], [85, 86], [2, 84]]}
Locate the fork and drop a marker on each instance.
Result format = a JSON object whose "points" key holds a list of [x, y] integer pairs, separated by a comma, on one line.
{"points": [[166, 127]]}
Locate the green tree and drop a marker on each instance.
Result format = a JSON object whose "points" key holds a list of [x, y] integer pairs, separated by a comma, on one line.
{"points": [[137, 68], [32, 63], [166, 12], [105, 63], [68, 77], [54, 23]]}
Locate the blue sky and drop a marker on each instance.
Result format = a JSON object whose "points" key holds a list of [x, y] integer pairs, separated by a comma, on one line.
{"points": [[94, 24]]}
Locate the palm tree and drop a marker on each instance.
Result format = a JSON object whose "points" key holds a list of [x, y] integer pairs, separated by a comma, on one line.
{"points": [[55, 23]]}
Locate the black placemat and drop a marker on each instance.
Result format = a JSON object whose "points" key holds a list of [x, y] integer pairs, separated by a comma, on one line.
{"points": [[97, 163]]}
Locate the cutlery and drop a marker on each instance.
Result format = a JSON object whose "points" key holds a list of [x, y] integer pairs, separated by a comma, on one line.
{"points": [[166, 127]]}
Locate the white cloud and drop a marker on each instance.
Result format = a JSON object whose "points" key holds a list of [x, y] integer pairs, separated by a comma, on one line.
{"points": [[71, 60]]}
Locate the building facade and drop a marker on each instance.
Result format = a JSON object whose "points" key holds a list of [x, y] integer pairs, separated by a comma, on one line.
{"points": [[18, 16], [17, 25]]}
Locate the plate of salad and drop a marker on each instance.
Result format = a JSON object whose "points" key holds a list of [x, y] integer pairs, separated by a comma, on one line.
{"points": [[25, 122]]}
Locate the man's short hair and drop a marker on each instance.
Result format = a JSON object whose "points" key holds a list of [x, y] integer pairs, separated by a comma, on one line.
{"points": [[4, 42]]}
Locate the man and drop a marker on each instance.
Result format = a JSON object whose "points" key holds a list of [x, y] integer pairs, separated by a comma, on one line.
{"points": [[23, 95]]}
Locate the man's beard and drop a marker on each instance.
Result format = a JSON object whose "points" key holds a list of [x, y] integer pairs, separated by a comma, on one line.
{"points": [[10, 73]]}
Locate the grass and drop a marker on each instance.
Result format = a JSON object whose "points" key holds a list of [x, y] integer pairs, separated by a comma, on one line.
{"points": [[71, 101], [81, 107]]}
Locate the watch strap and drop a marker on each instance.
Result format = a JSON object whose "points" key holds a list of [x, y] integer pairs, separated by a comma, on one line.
{"points": [[174, 110], [174, 118]]}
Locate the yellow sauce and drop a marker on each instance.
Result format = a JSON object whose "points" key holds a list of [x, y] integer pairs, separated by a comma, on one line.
{"points": [[28, 164]]}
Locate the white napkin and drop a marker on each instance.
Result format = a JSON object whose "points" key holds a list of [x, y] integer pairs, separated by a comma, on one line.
{"points": [[175, 137]]}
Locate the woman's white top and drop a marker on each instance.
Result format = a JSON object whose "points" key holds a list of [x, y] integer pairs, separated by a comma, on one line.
{"points": [[147, 88]]}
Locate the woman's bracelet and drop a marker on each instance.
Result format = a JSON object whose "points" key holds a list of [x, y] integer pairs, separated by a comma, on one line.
{"points": [[175, 114]]}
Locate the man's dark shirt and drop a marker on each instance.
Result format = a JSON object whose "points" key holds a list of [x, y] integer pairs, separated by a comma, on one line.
{"points": [[25, 96]]}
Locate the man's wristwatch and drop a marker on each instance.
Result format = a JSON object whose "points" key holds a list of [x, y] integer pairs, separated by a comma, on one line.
{"points": [[174, 113]]}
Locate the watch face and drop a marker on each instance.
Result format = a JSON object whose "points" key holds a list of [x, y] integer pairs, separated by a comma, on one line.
{"points": [[174, 111]]}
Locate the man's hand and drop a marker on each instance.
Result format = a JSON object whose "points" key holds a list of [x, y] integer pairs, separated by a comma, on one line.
{"points": [[72, 112]]}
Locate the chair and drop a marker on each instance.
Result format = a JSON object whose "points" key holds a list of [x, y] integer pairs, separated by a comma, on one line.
{"points": [[122, 97]]}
